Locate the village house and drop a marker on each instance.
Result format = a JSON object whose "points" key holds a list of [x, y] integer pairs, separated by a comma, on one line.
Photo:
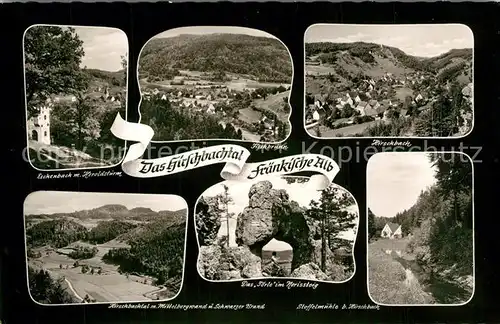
{"points": [[278, 253], [392, 231], [354, 96], [268, 123], [374, 104], [347, 100], [370, 111], [211, 109]]}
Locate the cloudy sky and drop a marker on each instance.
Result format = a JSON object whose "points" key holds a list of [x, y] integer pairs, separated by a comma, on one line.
{"points": [[203, 30], [417, 40], [238, 190], [103, 47], [49, 202], [395, 180]]}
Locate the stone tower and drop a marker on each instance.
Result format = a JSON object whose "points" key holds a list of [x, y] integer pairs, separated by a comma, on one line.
{"points": [[39, 125]]}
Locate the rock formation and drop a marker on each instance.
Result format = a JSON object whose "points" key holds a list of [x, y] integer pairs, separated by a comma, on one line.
{"points": [[269, 215], [207, 220]]}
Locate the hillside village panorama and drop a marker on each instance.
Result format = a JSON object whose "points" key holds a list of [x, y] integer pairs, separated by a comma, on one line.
{"points": [[205, 97], [379, 99]]}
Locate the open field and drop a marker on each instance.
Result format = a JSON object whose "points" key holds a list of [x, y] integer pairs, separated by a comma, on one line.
{"points": [[319, 69], [274, 103], [194, 79], [247, 136], [107, 287], [345, 131], [387, 244]]}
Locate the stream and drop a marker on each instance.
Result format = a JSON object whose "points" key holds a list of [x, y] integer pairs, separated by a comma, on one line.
{"points": [[443, 291]]}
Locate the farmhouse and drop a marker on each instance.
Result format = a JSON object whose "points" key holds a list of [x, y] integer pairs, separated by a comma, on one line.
{"points": [[374, 104], [363, 107], [392, 231], [280, 253]]}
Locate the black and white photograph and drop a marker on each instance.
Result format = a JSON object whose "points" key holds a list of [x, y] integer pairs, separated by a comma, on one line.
{"points": [[85, 247], [75, 85], [280, 227], [209, 82], [389, 80], [420, 228]]}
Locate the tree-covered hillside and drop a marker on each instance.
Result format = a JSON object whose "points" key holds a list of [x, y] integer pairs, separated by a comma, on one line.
{"points": [[264, 59], [157, 250], [117, 79], [106, 231], [57, 233]]}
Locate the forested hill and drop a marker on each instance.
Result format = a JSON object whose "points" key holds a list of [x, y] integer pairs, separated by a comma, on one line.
{"points": [[368, 57], [264, 59], [118, 212], [61, 231]]}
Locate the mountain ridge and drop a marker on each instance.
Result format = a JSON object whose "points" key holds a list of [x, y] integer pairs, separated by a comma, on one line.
{"points": [[111, 211]]}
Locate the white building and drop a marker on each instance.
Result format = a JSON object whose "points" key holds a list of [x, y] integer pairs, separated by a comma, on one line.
{"points": [[39, 125], [392, 231]]}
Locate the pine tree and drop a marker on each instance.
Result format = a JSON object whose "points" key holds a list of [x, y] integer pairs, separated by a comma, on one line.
{"points": [[226, 200], [331, 211]]}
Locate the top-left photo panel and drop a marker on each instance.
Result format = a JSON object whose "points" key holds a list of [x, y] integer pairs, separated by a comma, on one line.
{"points": [[76, 80]]}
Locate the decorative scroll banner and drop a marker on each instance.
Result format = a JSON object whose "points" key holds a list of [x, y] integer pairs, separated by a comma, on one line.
{"points": [[234, 157]]}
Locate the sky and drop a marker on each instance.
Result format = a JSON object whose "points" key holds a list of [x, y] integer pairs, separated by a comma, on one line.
{"points": [[417, 40], [238, 190], [203, 30], [103, 47], [49, 202], [395, 180]]}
